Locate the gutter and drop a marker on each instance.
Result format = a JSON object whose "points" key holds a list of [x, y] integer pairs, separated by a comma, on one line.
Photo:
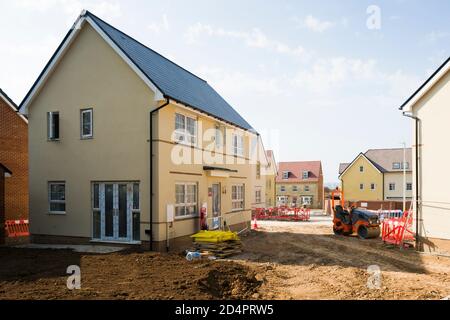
{"points": [[150, 231], [417, 120]]}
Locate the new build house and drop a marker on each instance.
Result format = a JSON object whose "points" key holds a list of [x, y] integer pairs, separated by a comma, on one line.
{"points": [[300, 183], [128, 147], [14, 156], [430, 112], [271, 175], [378, 175]]}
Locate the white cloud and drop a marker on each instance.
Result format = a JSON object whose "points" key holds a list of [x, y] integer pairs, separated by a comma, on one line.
{"points": [[158, 27], [317, 25], [254, 39]]}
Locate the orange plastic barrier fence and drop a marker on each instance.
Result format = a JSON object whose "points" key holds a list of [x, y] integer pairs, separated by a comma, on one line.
{"points": [[283, 213], [398, 230], [17, 228]]}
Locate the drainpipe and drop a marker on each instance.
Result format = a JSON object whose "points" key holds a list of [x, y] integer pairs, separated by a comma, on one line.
{"points": [[151, 171], [417, 120]]}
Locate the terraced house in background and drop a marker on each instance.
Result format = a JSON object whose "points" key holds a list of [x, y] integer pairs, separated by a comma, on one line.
{"points": [[377, 175], [140, 146], [300, 183]]}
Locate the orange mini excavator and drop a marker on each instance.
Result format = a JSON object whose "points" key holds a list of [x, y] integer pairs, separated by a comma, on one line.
{"points": [[353, 220]]}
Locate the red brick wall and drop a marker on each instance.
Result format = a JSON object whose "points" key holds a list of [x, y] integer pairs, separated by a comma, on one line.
{"points": [[14, 155]]}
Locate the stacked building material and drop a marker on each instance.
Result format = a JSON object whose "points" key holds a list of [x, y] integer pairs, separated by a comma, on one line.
{"points": [[220, 244]]}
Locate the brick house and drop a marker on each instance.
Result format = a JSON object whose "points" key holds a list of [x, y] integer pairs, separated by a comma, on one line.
{"points": [[300, 183], [14, 156]]}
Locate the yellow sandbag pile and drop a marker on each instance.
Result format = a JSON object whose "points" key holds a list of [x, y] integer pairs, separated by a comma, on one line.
{"points": [[215, 236]]}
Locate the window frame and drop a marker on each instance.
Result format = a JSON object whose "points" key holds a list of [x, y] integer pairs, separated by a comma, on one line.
{"points": [[361, 186], [361, 168], [407, 185], [91, 112], [50, 200], [282, 188], [183, 132], [185, 204], [285, 175], [391, 184], [294, 188], [258, 196], [373, 186], [238, 200], [305, 175], [50, 126], [396, 165], [307, 188], [238, 145]]}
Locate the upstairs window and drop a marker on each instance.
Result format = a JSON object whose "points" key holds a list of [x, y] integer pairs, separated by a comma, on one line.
{"points": [[185, 129], [361, 169], [282, 188], [285, 175], [305, 174], [372, 186], [238, 145], [361, 186], [219, 137], [294, 188], [86, 123], [53, 125], [307, 188], [409, 186], [396, 165], [391, 186], [258, 170], [405, 165]]}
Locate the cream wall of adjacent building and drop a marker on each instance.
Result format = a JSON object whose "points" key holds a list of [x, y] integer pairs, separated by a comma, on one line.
{"points": [[91, 75], [270, 175], [434, 112], [352, 178], [397, 179]]}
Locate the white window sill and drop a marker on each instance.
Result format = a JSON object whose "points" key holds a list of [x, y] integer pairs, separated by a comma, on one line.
{"points": [[186, 217], [57, 213]]}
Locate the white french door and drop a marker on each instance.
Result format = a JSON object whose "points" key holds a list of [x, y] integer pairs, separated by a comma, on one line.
{"points": [[115, 211]]}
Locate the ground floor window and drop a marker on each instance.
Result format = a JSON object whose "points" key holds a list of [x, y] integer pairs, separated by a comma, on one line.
{"points": [[409, 186], [237, 197], [186, 200], [307, 200], [57, 197]]}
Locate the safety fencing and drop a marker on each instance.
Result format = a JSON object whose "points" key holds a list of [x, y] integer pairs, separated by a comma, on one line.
{"points": [[282, 213], [17, 228], [397, 230]]}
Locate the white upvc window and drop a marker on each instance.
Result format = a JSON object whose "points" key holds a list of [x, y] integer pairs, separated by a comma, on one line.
{"points": [[258, 196], [409, 186], [396, 165], [285, 175], [307, 200], [237, 197], [361, 186], [307, 188], [186, 199], [391, 186], [372, 186], [53, 125], [86, 123], [185, 129], [295, 188], [238, 145], [305, 174], [219, 136], [361, 168], [282, 188], [57, 197]]}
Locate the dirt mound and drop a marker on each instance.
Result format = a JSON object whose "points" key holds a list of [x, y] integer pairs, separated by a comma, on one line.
{"points": [[230, 281]]}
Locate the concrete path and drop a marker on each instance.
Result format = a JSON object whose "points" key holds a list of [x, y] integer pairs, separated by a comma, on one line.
{"points": [[76, 248]]}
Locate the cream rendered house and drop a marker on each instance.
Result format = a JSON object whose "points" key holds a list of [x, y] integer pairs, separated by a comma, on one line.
{"points": [[259, 174], [128, 147], [429, 108], [271, 175]]}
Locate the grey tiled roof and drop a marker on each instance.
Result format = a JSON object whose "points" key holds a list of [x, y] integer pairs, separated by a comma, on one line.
{"points": [[172, 80]]}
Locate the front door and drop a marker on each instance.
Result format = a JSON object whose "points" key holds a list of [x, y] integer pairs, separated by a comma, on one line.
{"points": [[115, 208], [216, 206]]}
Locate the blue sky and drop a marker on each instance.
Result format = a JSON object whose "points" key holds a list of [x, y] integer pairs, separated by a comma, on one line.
{"points": [[308, 75]]}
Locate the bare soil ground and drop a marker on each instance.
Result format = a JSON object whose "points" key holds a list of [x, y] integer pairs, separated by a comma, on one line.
{"points": [[307, 261], [281, 261]]}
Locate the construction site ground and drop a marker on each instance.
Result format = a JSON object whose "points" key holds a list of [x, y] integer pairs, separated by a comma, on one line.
{"points": [[282, 260]]}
